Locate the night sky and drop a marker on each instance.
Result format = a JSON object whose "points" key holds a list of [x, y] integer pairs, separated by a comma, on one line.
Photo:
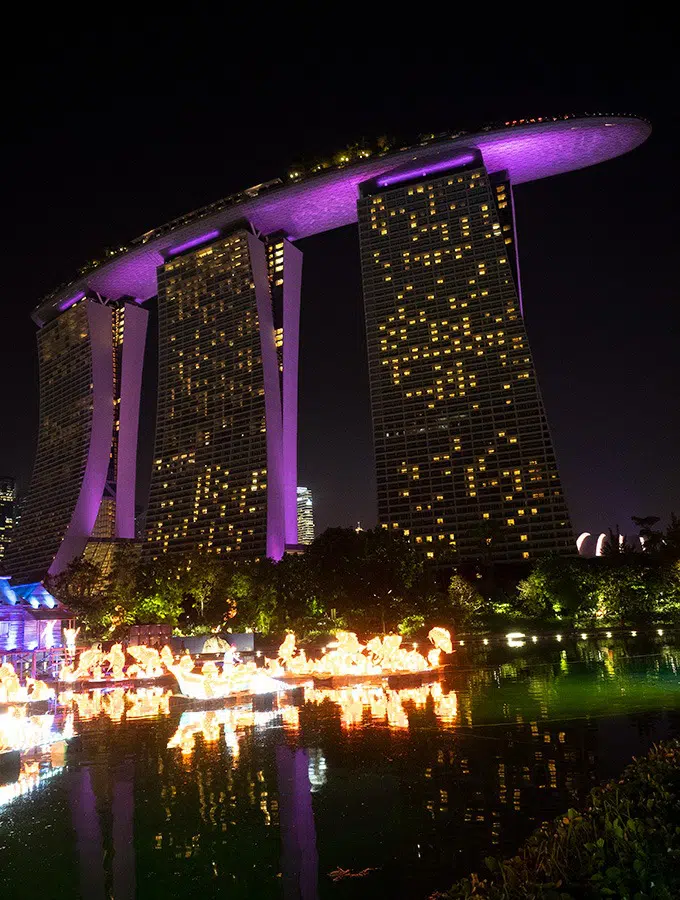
{"points": [[110, 132]]}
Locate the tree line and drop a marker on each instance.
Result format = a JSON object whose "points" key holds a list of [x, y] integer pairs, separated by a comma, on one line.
{"points": [[374, 581]]}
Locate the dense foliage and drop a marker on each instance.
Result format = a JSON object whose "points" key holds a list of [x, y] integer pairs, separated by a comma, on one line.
{"points": [[622, 587], [626, 844], [374, 581], [369, 578]]}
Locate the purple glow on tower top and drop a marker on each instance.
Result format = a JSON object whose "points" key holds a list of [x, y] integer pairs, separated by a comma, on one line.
{"points": [[406, 173], [526, 151], [194, 242], [67, 304]]}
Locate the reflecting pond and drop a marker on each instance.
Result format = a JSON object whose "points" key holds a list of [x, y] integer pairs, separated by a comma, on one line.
{"points": [[356, 792]]}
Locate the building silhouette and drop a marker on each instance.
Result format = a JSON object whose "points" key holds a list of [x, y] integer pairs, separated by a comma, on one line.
{"points": [[464, 458]]}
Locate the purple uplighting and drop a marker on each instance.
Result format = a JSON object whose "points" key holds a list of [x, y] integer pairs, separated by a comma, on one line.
{"points": [[67, 304], [276, 529], [134, 337], [292, 292], [406, 173], [328, 201], [194, 242], [101, 434]]}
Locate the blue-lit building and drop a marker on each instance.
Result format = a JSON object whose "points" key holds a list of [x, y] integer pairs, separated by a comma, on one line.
{"points": [[30, 618]]}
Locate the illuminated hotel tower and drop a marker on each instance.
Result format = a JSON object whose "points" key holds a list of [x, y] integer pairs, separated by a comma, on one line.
{"points": [[464, 457], [463, 453], [91, 356], [224, 470]]}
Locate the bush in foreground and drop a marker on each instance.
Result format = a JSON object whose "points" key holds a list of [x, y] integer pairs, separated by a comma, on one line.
{"points": [[626, 844]]}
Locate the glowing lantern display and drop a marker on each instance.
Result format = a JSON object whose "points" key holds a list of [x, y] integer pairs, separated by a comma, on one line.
{"points": [[12, 691], [348, 656]]}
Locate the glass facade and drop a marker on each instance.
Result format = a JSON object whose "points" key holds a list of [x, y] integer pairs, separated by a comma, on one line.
{"points": [[464, 458]]}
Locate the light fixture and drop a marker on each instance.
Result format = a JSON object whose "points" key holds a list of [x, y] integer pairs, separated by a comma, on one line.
{"points": [[515, 639]]}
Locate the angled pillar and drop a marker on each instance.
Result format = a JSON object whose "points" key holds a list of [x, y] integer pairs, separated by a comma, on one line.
{"points": [[134, 339], [292, 287], [276, 543], [74, 441], [91, 358]]}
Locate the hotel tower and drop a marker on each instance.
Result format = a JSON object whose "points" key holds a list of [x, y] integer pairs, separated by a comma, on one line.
{"points": [[464, 458], [462, 446]]}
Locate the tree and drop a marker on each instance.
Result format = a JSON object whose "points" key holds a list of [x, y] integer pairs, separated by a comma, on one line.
{"points": [[252, 591], [628, 594], [82, 588], [557, 586], [465, 602], [671, 542], [205, 582], [617, 544], [651, 539], [157, 588]]}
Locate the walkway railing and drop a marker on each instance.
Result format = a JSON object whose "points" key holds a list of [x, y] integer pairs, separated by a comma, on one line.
{"points": [[44, 664]]}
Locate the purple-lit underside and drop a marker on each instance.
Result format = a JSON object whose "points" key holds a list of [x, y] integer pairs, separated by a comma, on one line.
{"points": [[71, 301], [194, 242], [327, 201], [407, 173]]}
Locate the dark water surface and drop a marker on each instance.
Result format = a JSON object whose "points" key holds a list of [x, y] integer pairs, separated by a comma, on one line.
{"points": [[415, 787]]}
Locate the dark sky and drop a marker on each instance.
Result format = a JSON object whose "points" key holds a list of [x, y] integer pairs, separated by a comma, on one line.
{"points": [[111, 131]]}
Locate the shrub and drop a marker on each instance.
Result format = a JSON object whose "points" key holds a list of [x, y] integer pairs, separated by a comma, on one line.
{"points": [[626, 844]]}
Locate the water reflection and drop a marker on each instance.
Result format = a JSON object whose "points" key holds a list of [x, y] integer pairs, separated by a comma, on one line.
{"points": [[299, 857], [118, 703], [410, 787], [384, 705], [102, 806]]}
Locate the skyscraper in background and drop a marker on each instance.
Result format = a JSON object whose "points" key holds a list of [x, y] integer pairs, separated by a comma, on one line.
{"points": [[8, 496], [90, 355], [226, 436], [305, 516], [464, 457]]}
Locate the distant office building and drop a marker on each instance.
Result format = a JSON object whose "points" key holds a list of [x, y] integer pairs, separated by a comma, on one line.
{"points": [[464, 457], [224, 470], [91, 357], [8, 496], [305, 516]]}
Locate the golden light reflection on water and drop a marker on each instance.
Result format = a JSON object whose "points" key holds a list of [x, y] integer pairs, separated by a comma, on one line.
{"points": [[32, 774], [385, 705], [231, 723], [130, 703]]}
